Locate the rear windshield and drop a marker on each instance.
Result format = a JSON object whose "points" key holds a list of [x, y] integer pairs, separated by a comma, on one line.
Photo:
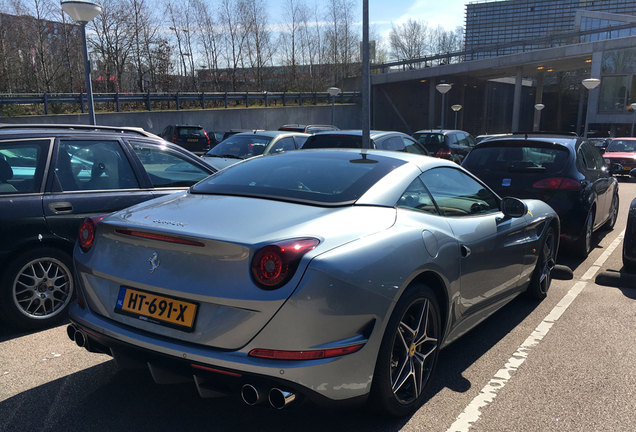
{"points": [[505, 159], [432, 141], [333, 141], [240, 146], [190, 131], [620, 146], [329, 178]]}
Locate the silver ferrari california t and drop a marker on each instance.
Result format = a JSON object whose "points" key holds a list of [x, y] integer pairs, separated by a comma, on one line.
{"points": [[331, 275]]}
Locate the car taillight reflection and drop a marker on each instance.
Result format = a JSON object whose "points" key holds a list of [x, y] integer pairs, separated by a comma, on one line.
{"points": [[274, 265], [554, 183]]}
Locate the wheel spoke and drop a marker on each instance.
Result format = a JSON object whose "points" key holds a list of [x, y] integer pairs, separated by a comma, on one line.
{"points": [[406, 373]]}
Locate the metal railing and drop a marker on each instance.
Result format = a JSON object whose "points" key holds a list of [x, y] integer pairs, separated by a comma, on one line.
{"points": [[521, 45], [147, 99]]}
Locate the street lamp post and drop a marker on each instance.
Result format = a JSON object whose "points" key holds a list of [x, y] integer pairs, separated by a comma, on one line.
{"points": [[82, 13], [633, 117], [590, 84], [456, 108], [443, 89], [333, 91], [538, 107]]}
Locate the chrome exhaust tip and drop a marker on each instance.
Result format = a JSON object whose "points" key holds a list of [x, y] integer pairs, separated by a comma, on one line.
{"points": [[279, 399], [70, 331], [251, 395]]}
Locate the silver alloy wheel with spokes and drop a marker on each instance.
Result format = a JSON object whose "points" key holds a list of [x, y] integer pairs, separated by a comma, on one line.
{"points": [[412, 355], [547, 263], [42, 288]]}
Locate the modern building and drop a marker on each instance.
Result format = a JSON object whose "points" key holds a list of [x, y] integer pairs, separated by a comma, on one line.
{"points": [[513, 26]]}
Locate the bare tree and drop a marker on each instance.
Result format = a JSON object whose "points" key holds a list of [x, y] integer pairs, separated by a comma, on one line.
{"points": [[235, 36], [259, 47], [409, 40], [144, 37], [341, 39], [180, 18], [209, 39], [290, 40]]}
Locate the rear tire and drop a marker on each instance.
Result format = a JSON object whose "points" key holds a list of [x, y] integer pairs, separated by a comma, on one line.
{"points": [[609, 225], [542, 275], [408, 354], [37, 288], [583, 246]]}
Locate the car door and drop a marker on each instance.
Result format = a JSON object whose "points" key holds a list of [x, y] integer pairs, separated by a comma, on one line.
{"points": [[491, 247], [88, 177], [167, 170], [598, 176]]}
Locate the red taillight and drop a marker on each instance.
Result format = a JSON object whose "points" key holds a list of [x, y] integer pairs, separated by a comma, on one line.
{"points": [[304, 355], [160, 237], [206, 136], [87, 230], [274, 265], [174, 138], [442, 153], [557, 183]]}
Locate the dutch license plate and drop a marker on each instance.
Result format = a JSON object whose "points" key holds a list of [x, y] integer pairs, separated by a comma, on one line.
{"points": [[626, 168], [156, 309], [193, 140]]}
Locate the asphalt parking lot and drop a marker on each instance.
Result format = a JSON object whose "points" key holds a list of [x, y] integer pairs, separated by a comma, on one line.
{"points": [[565, 364]]}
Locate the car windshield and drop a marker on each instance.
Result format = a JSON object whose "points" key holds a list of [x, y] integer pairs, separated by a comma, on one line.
{"points": [[432, 141], [310, 177], [191, 132], [240, 146], [333, 141], [622, 146], [511, 158]]}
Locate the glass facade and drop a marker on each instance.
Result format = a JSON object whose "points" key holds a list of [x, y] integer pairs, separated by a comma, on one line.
{"points": [[511, 23]]}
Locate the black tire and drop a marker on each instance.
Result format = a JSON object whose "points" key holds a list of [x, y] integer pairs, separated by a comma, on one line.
{"points": [[408, 354], [542, 275], [609, 225], [629, 266], [37, 288], [583, 246]]}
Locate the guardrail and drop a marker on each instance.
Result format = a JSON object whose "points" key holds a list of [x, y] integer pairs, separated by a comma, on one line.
{"points": [[146, 99]]}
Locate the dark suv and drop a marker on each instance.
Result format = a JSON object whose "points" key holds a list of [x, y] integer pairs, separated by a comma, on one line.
{"points": [[51, 178], [565, 171], [191, 137], [446, 144], [311, 129]]}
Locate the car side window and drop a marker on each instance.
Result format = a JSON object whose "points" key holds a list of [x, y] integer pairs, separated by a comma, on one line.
{"points": [[412, 146], [590, 158], [393, 143], [168, 169], [452, 139], [285, 144], [92, 165], [461, 139], [22, 166], [416, 197], [458, 194]]}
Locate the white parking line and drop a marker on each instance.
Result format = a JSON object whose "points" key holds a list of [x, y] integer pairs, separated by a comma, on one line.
{"points": [[472, 413]]}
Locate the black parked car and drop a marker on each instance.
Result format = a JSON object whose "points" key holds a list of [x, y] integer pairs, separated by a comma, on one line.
{"points": [[566, 172], [629, 242], [307, 128], [51, 178], [446, 144], [380, 140], [191, 137]]}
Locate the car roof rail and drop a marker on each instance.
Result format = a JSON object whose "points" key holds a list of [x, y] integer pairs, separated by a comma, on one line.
{"points": [[78, 127], [572, 134]]}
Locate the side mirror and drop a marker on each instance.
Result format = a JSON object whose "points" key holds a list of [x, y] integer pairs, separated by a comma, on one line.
{"points": [[513, 207], [616, 168]]}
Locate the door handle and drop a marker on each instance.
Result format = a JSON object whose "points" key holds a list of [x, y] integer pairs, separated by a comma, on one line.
{"points": [[61, 207], [465, 251]]}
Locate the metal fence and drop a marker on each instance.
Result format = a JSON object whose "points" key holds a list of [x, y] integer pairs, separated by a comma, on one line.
{"points": [[200, 99]]}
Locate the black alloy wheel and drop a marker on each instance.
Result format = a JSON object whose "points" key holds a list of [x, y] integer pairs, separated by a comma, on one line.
{"points": [[542, 275], [37, 288], [583, 246], [408, 353]]}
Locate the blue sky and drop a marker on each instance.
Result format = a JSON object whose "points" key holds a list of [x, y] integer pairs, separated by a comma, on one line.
{"points": [[383, 13]]}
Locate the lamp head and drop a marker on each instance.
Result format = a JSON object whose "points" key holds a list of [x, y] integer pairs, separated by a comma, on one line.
{"points": [[456, 107], [591, 83], [633, 106], [443, 88], [333, 91], [80, 10], [539, 107]]}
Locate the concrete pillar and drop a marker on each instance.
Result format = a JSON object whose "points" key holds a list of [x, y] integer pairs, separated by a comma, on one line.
{"points": [[516, 104], [432, 92], [538, 98]]}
